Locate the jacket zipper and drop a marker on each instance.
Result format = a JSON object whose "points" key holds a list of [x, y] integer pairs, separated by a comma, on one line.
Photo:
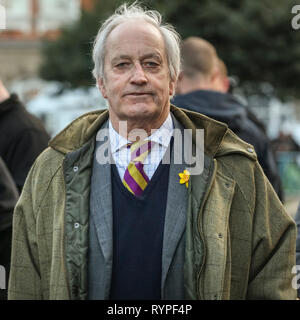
{"points": [[200, 230]]}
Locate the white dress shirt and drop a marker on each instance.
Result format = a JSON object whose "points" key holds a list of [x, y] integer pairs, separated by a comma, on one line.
{"points": [[160, 138]]}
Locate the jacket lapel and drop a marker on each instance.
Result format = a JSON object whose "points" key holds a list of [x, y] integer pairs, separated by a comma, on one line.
{"points": [[101, 207], [175, 218], [101, 202]]}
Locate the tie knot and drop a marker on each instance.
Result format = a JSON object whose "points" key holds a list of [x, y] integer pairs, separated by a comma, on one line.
{"points": [[139, 150]]}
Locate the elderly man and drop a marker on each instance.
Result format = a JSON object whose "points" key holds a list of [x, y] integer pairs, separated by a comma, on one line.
{"points": [[203, 87], [138, 229]]}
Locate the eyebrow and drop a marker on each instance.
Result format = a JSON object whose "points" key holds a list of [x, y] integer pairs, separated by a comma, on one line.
{"points": [[152, 55]]}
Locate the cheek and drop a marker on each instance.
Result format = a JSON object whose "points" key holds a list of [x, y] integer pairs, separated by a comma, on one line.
{"points": [[115, 87]]}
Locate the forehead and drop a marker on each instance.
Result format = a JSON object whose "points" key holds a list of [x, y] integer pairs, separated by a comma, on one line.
{"points": [[136, 36]]}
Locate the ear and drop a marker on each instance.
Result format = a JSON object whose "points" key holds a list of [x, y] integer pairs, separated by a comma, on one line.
{"points": [[172, 87], [101, 87]]}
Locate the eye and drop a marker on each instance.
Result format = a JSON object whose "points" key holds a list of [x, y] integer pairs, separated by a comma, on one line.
{"points": [[122, 65], [151, 64]]}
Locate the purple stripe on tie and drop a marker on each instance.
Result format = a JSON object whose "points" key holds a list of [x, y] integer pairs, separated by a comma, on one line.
{"points": [[135, 154], [140, 167], [145, 147], [136, 189]]}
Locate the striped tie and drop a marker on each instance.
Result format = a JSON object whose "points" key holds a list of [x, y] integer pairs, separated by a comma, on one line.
{"points": [[135, 178]]}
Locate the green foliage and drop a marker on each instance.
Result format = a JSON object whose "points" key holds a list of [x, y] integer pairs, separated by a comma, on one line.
{"points": [[69, 58], [254, 38]]}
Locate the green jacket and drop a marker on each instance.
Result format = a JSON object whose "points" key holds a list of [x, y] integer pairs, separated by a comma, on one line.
{"points": [[240, 242]]}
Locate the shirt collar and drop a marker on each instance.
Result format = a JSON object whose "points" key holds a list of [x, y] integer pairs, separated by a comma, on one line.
{"points": [[161, 136]]}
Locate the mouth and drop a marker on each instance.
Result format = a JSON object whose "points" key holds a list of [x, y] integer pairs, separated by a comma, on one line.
{"points": [[138, 94]]}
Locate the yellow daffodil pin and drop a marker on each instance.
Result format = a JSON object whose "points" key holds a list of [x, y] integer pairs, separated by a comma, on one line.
{"points": [[184, 177]]}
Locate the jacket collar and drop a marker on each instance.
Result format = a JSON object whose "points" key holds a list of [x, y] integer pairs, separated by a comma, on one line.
{"points": [[218, 139]]}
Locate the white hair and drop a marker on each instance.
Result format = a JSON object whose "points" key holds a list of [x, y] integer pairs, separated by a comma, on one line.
{"points": [[135, 11]]}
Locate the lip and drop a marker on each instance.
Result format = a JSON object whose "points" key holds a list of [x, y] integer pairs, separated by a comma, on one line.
{"points": [[137, 94]]}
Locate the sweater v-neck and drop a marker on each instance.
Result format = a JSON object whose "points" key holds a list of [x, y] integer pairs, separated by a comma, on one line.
{"points": [[149, 188]]}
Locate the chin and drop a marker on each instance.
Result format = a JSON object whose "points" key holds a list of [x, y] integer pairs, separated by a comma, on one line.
{"points": [[140, 111]]}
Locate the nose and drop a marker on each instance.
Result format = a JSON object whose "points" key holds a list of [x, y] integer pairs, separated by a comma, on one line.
{"points": [[138, 75]]}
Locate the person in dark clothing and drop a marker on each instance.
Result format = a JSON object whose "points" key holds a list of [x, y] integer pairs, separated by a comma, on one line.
{"points": [[8, 198], [297, 220], [22, 136], [203, 87]]}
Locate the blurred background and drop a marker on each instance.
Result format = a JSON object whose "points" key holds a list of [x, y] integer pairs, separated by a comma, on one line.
{"points": [[45, 57]]}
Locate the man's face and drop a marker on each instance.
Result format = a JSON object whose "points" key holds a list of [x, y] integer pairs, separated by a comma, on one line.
{"points": [[136, 76]]}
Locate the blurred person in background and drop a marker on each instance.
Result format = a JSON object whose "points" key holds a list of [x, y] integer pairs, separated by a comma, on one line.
{"points": [[8, 198], [95, 221], [203, 86], [22, 136], [233, 83]]}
